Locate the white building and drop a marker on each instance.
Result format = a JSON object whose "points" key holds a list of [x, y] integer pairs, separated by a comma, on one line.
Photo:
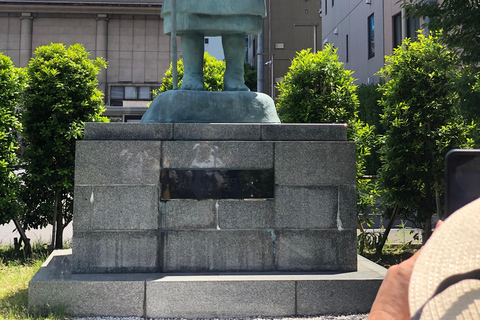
{"points": [[364, 31]]}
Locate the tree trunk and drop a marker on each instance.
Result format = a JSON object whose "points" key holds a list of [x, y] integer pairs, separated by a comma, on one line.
{"points": [[23, 237], [56, 214], [427, 231], [437, 201], [59, 221], [394, 215]]}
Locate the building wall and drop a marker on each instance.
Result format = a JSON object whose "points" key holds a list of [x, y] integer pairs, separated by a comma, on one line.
{"points": [[392, 8], [130, 37], [283, 39], [350, 18]]}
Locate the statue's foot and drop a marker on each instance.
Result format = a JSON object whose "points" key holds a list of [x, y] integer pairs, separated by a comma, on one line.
{"points": [[192, 83], [234, 86]]}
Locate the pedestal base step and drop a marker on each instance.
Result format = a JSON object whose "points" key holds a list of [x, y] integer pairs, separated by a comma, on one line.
{"points": [[202, 296]]}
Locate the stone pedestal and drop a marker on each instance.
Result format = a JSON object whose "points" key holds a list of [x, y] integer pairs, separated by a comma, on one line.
{"points": [[122, 224], [292, 252]]}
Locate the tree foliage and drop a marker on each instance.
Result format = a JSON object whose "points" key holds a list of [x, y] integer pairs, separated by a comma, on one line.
{"points": [[213, 71], [61, 95], [317, 88], [458, 24], [457, 21], [11, 84], [421, 122], [369, 111]]}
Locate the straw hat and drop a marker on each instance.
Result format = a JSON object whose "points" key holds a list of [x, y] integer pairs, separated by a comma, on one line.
{"points": [[445, 282]]}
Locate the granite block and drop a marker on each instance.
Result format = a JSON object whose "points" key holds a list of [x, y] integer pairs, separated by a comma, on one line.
{"points": [[217, 251], [304, 132], [116, 208], [117, 162], [315, 163], [245, 214], [120, 298], [217, 131], [316, 250], [327, 297], [214, 299], [128, 131], [189, 214], [115, 252], [306, 207], [217, 154], [54, 286], [347, 207], [200, 295]]}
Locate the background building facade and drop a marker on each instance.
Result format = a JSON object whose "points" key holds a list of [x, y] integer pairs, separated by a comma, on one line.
{"points": [[128, 34], [364, 31], [290, 26], [355, 28]]}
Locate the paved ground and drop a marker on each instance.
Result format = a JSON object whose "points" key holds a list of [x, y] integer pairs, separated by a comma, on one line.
{"points": [[8, 232]]}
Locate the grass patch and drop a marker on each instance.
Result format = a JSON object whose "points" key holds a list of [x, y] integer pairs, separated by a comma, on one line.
{"points": [[16, 270], [392, 254]]}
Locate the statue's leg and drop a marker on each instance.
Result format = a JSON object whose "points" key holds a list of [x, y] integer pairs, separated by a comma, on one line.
{"points": [[192, 53], [234, 49]]}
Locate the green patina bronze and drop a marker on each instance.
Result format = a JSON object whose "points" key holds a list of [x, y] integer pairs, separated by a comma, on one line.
{"points": [[217, 16], [231, 19]]}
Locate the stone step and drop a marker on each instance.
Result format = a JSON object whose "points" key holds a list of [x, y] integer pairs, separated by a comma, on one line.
{"points": [[203, 296]]}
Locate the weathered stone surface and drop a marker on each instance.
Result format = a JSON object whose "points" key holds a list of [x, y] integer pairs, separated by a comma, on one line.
{"points": [[347, 207], [120, 298], [128, 131], [83, 295], [306, 207], [212, 299], [314, 163], [217, 131], [206, 296], [245, 214], [316, 250], [217, 154], [217, 251], [189, 214], [187, 106], [116, 208], [117, 162], [115, 252], [304, 132], [327, 297]]}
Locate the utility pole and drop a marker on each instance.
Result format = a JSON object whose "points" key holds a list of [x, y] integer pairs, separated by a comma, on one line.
{"points": [[173, 39]]}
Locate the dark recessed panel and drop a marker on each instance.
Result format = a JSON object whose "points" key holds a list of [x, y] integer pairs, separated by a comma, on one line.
{"points": [[217, 184]]}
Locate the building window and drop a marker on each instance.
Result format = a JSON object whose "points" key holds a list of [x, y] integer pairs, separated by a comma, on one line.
{"points": [[371, 37], [346, 47], [120, 93], [326, 6], [397, 30], [413, 24], [132, 118], [333, 3]]}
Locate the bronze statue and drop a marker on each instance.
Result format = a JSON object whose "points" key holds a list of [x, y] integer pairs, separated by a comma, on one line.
{"points": [[231, 19]]}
